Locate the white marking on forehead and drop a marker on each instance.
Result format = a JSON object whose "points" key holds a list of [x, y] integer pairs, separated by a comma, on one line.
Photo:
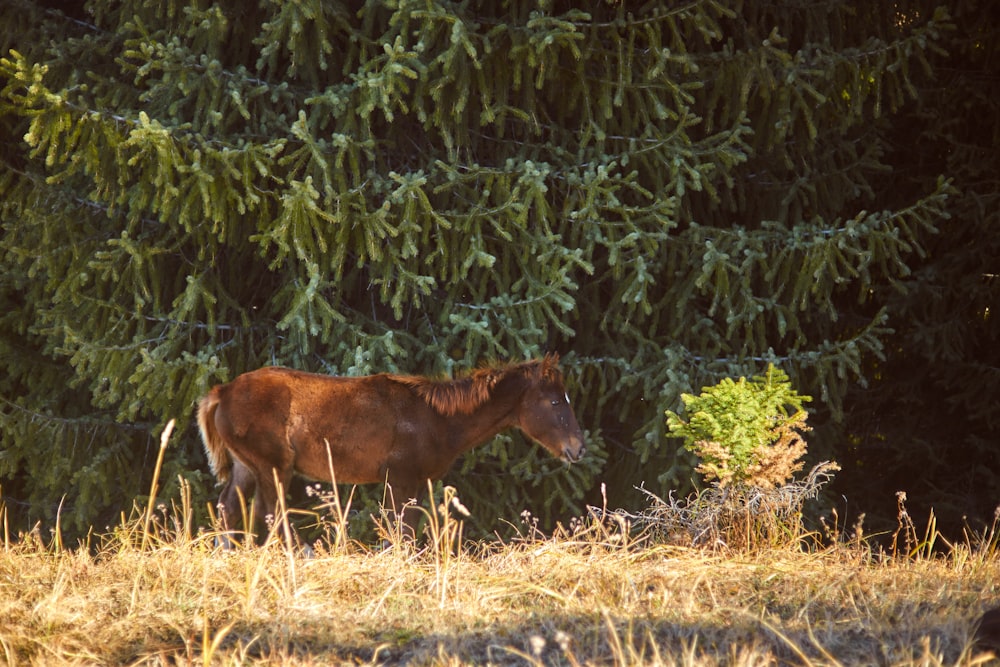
{"points": [[567, 398]]}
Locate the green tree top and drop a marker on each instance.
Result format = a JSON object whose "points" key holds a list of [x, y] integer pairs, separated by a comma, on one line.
{"points": [[745, 432]]}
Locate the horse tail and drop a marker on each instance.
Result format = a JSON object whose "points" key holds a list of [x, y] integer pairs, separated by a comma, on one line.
{"points": [[215, 447]]}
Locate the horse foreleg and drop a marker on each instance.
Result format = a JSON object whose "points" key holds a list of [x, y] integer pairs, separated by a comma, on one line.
{"points": [[404, 498]]}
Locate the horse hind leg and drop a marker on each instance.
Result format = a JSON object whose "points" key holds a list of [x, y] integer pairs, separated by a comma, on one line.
{"points": [[271, 487], [233, 504]]}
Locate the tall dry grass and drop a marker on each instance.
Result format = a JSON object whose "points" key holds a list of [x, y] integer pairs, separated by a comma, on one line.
{"points": [[157, 590]]}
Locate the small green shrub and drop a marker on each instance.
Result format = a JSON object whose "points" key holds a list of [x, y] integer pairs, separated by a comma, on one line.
{"points": [[746, 432]]}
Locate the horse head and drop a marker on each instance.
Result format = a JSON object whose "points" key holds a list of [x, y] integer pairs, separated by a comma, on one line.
{"points": [[545, 414]]}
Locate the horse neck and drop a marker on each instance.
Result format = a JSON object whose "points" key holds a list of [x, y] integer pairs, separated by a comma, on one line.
{"points": [[496, 414]]}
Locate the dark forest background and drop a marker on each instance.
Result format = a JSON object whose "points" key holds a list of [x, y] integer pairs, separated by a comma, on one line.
{"points": [[664, 193]]}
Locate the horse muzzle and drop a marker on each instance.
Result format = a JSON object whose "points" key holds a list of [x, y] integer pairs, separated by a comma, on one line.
{"points": [[574, 451]]}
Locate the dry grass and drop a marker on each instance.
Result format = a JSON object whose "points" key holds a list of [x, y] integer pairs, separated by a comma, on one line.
{"points": [[156, 591], [165, 596]]}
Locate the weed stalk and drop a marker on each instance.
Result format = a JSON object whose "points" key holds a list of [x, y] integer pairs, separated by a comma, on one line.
{"points": [[154, 486]]}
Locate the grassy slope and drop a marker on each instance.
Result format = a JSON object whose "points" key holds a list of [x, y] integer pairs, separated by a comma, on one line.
{"points": [[154, 592], [586, 599]]}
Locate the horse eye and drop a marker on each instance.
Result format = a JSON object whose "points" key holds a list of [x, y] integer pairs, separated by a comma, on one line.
{"points": [[556, 402]]}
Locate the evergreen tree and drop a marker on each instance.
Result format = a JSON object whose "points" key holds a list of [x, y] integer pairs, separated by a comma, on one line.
{"points": [[927, 423], [666, 195]]}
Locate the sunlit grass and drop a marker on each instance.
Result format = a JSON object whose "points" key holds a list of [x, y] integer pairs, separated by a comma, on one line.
{"points": [[157, 590]]}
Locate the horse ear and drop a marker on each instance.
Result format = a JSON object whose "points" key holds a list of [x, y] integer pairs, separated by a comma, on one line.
{"points": [[550, 367]]}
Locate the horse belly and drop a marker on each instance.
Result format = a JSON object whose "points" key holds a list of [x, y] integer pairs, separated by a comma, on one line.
{"points": [[352, 452]]}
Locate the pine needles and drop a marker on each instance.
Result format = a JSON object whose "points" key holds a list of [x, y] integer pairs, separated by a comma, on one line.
{"points": [[669, 195]]}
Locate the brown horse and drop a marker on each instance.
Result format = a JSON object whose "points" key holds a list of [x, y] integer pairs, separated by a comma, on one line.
{"points": [[269, 424]]}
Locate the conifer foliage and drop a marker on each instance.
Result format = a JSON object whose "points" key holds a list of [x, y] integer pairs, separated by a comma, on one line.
{"points": [[927, 423], [746, 433], [665, 193]]}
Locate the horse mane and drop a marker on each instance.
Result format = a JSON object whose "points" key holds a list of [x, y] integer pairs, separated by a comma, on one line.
{"points": [[464, 394]]}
